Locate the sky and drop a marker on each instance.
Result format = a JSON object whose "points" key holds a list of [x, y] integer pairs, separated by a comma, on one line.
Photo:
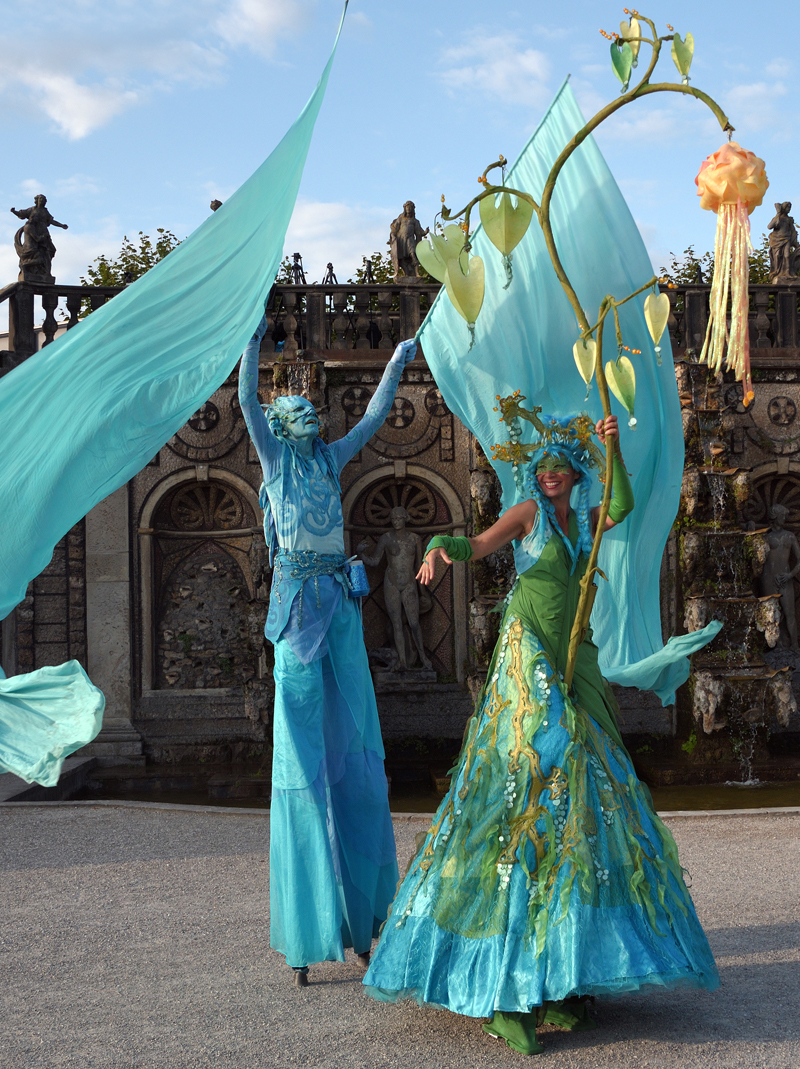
{"points": [[133, 114]]}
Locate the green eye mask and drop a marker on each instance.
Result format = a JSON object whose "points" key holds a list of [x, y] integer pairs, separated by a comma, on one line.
{"points": [[554, 462]]}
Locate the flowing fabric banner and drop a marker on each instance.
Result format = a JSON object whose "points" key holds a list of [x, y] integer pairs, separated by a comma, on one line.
{"points": [[84, 415], [523, 340]]}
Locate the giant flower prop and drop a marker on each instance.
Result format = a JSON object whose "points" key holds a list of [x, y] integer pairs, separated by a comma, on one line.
{"points": [[731, 182]]}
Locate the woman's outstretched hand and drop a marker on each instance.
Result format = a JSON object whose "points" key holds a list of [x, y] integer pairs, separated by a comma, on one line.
{"points": [[428, 569], [609, 427]]}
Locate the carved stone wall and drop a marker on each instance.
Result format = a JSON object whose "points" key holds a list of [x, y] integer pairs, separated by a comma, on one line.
{"points": [[49, 626]]}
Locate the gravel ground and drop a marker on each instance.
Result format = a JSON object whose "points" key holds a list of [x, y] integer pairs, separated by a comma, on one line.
{"points": [[137, 938]]}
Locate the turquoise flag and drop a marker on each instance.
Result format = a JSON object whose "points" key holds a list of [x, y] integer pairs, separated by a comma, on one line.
{"points": [[84, 415], [523, 340]]}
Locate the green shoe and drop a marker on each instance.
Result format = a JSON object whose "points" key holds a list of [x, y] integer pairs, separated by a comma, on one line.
{"points": [[517, 1029], [572, 1015]]}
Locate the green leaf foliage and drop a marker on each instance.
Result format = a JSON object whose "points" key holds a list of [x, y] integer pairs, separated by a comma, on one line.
{"points": [[131, 263], [683, 270]]}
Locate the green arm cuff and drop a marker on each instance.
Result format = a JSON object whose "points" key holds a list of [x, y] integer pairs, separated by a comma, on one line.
{"points": [[621, 493], [455, 548]]}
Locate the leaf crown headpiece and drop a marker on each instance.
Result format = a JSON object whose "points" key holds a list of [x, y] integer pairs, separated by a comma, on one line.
{"points": [[570, 438]]}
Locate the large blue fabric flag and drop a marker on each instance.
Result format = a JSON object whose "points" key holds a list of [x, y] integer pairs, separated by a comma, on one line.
{"points": [[523, 340], [84, 415]]}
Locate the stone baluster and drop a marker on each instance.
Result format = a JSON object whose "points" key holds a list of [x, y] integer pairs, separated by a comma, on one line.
{"points": [[786, 317], [74, 301], [672, 321], [762, 319], [409, 313], [384, 321], [97, 300], [340, 320], [695, 318], [290, 300], [363, 318], [22, 337], [315, 320], [49, 326]]}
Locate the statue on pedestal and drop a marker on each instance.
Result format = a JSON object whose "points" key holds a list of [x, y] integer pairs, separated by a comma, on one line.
{"points": [[403, 550], [778, 574], [783, 244], [404, 234], [33, 243]]}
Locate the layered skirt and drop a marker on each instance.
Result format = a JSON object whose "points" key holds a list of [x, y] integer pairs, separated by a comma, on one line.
{"points": [[546, 872]]}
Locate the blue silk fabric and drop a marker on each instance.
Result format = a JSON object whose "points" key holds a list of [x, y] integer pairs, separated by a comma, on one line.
{"points": [[523, 340], [84, 415], [545, 873]]}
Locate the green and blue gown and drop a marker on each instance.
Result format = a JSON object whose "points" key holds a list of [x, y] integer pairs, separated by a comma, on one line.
{"points": [[546, 873]]}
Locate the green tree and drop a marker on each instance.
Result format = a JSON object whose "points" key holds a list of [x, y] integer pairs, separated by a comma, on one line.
{"points": [[382, 270], [132, 262], [683, 270]]}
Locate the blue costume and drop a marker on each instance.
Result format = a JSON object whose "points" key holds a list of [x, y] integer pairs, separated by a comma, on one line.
{"points": [[333, 869]]}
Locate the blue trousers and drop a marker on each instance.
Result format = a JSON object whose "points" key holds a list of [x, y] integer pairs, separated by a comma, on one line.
{"points": [[333, 867]]}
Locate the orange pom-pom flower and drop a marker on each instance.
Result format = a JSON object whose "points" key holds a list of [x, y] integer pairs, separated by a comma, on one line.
{"points": [[731, 182]]}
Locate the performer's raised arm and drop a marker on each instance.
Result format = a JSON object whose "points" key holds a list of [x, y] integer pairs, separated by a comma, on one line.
{"points": [[378, 408], [264, 440]]}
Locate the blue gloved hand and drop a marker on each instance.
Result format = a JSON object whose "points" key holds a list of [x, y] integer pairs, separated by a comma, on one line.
{"points": [[405, 352]]}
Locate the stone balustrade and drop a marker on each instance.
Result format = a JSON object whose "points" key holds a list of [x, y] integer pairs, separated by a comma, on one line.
{"points": [[22, 335], [774, 319], [317, 318]]}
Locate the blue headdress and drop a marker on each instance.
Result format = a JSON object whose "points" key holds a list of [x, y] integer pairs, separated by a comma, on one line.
{"points": [[569, 439], [305, 467]]}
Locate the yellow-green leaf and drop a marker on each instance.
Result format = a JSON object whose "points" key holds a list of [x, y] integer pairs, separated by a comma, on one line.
{"points": [[622, 61], [656, 314], [444, 247], [466, 289], [504, 224], [682, 53], [627, 30], [585, 350], [621, 379]]}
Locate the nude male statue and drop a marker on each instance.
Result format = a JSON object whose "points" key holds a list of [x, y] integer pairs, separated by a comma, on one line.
{"points": [[777, 576], [403, 550]]}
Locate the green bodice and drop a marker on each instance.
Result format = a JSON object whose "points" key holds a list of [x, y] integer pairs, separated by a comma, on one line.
{"points": [[546, 598]]}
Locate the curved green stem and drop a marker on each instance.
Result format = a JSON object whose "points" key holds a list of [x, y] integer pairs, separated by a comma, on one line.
{"points": [[608, 304]]}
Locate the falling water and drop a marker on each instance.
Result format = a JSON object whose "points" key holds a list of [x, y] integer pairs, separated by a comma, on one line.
{"points": [[716, 484], [745, 754]]}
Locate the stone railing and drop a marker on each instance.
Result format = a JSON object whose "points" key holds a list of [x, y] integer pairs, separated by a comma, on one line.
{"points": [[345, 317], [23, 337], [774, 320]]}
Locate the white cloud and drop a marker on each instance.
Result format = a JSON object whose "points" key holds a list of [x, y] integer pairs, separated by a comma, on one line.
{"points": [[752, 106], [75, 109], [336, 233], [258, 24], [498, 66], [94, 61]]}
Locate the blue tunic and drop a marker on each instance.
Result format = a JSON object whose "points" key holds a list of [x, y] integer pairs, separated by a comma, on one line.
{"points": [[333, 868]]}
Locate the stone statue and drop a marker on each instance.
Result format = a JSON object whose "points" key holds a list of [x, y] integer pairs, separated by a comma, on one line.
{"points": [[404, 234], [783, 244], [403, 550], [777, 576], [33, 243]]}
